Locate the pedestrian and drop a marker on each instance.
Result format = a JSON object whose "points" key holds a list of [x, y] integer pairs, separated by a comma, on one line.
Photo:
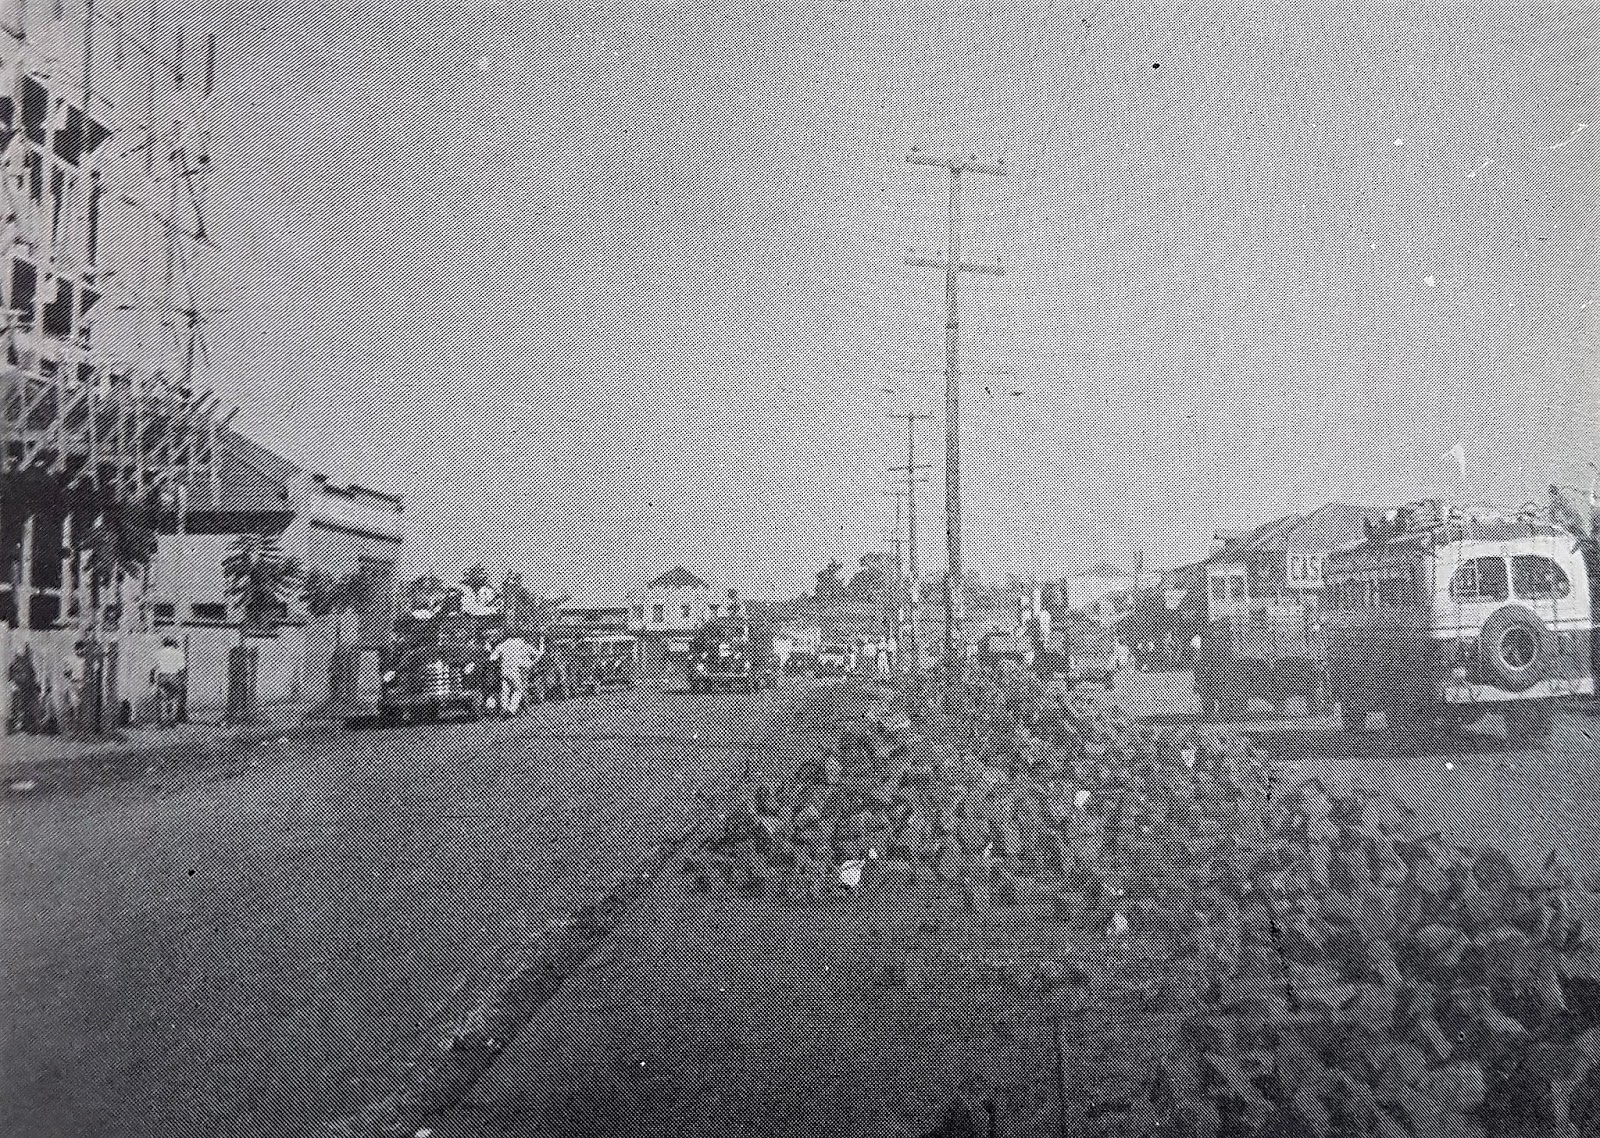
{"points": [[73, 671], [171, 676], [514, 655], [24, 692]]}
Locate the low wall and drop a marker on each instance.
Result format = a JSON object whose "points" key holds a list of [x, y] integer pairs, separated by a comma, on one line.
{"points": [[129, 659], [292, 668]]}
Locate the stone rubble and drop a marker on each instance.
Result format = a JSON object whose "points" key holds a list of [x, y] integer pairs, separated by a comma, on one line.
{"points": [[1339, 968]]}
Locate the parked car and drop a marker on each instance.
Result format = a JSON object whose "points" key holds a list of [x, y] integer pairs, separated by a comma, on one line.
{"points": [[432, 670], [832, 660]]}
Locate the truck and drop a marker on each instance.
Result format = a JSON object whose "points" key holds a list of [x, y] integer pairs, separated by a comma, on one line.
{"points": [[432, 668], [1442, 615], [1063, 643], [1264, 591]]}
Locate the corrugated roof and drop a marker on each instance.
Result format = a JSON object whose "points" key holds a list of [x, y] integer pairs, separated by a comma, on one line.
{"points": [[270, 463], [250, 479], [1325, 529]]}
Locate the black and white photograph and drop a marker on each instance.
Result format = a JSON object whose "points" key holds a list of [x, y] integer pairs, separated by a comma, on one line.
{"points": [[816, 568]]}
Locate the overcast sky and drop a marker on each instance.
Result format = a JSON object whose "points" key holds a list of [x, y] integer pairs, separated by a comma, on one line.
{"points": [[604, 290]]}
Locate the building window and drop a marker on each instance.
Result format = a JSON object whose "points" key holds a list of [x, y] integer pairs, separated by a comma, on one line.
{"points": [[164, 613], [214, 612], [658, 613], [1236, 587], [688, 612], [1219, 588]]}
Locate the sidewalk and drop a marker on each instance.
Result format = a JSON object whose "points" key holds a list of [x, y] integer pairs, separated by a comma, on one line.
{"points": [[28, 758]]}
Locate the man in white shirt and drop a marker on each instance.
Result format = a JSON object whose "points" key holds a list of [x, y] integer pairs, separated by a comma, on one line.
{"points": [[169, 676], [514, 655]]}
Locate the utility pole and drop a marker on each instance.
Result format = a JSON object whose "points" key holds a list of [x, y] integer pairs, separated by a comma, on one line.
{"points": [[953, 266], [898, 493], [911, 469]]}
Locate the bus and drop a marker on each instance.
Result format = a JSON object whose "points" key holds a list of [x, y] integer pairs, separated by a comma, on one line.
{"points": [[1442, 615]]}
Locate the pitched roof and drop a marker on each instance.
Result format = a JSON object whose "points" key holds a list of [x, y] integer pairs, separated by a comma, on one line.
{"points": [[250, 479], [1321, 531], [678, 578]]}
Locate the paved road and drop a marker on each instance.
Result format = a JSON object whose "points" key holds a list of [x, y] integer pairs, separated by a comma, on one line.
{"points": [[1471, 783], [256, 948]]}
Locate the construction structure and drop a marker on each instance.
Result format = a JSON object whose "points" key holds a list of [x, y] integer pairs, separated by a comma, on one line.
{"points": [[106, 434]]}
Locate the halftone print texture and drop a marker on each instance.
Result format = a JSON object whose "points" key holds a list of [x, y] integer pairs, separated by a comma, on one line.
{"points": [[846, 569]]}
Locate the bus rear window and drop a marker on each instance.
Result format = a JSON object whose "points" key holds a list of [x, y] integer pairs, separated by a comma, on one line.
{"points": [[1481, 579], [1538, 578]]}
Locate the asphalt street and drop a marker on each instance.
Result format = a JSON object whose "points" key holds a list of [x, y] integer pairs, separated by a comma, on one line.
{"points": [[257, 945]]}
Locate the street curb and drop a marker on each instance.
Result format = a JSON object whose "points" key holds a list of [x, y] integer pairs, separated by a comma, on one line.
{"points": [[31, 778]]}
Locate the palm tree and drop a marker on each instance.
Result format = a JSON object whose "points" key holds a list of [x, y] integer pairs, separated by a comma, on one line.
{"points": [[260, 582]]}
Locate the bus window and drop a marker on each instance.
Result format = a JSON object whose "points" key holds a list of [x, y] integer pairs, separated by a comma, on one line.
{"points": [[1391, 592], [1481, 579], [1219, 588], [1236, 588], [1538, 578]]}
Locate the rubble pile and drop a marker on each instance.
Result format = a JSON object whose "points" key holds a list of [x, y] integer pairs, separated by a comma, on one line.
{"points": [[1337, 967]]}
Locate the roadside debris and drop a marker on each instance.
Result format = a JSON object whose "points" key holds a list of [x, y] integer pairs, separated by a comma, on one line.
{"points": [[1338, 968]]}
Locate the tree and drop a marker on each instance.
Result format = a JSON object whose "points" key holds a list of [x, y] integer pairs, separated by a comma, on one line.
{"points": [[260, 581], [475, 579], [869, 581], [516, 601], [323, 594], [829, 585], [318, 592]]}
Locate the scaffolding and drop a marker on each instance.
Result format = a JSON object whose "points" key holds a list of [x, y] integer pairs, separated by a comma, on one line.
{"points": [[104, 432], [103, 161]]}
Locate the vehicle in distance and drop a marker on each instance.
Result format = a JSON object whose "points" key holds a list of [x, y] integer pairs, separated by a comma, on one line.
{"points": [[832, 660], [1263, 592], [1090, 653], [721, 660]]}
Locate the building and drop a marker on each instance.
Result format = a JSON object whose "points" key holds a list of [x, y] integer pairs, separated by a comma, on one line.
{"points": [[679, 603], [104, 154], [1281, 561], [664, 616], [345, 540], [1096, 591]]}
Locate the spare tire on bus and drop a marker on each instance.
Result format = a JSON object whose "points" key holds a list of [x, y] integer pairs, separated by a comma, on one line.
{"points": [[1515, 649]]}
